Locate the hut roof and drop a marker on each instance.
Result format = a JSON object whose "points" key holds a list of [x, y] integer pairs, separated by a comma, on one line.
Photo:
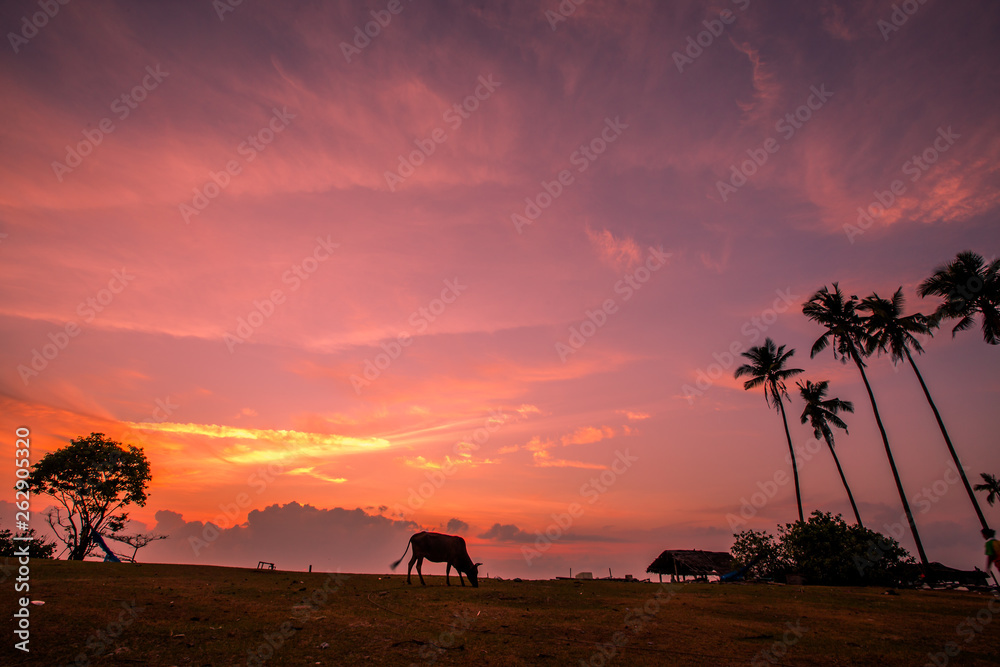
{"points": [[688, 562]]}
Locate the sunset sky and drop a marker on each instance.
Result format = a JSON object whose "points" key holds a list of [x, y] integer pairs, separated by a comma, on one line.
{"points": [[485, 271]]}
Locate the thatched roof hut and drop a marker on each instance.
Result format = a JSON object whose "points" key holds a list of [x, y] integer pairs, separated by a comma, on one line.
{"points": [[683, 563]]}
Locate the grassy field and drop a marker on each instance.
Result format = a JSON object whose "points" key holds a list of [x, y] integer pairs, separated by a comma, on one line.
{"points": [[116, 614]]}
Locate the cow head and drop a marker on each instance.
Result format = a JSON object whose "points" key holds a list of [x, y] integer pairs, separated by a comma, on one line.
{"points": [[473, 574]]}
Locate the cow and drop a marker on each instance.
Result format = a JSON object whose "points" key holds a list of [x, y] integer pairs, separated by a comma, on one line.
{"points": [[439, 548]]}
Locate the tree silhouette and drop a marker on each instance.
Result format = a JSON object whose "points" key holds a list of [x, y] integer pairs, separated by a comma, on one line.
{"points": [[891, 332], [991, 485], [970, 287], [821, 413], [846, 335], [767, 369], [93, 478], [137, 541]]}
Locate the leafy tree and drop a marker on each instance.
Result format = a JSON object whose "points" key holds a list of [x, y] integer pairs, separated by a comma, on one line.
{"points": [[829, 552], [891, 332], [94, 479], [37, 546], [825, 550], [970, 288], [846, 334], [821, 413], [991, 485], [759, 546], [767, 369]]}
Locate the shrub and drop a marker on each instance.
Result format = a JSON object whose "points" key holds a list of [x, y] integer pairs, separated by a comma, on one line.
{"points": [[825, 550]]}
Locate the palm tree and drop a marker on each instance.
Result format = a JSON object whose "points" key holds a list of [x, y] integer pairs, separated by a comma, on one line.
{"points": [[767, 368], [891, 332], [970, 287], [821, 412], [847, 335], [992, 487]]}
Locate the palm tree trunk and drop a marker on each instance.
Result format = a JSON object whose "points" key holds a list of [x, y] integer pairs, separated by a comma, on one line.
{"points": [[947, 440], [791, 450], [892, 463], [843, 478]]}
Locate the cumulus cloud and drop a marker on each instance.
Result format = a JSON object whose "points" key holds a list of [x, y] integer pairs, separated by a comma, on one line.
{"points": [[456, 526], [506, 532], [292, 536]]}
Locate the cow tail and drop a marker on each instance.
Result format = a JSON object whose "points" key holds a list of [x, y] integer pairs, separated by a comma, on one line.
{"points": [[396, 564]]}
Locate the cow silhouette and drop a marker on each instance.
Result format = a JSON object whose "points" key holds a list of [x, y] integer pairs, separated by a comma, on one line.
{"points": [[440, 548]]}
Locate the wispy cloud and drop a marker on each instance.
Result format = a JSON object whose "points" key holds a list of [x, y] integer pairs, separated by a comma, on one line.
{"points": [[618, 253]]}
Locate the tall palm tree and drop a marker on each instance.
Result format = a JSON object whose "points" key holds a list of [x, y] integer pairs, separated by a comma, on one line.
{"points": [[970, 287], [991, 485], [767, 369], [848, 338], [891, 332], [821, 413]]}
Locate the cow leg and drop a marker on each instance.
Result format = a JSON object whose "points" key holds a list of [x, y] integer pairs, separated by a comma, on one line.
{"points": [[420, 570], [460, 576], [447, 574], [409, 568]]}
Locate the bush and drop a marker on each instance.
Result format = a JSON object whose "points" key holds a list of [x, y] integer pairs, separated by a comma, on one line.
{"points": [[758, 547], [37, 546], [825, 550]]}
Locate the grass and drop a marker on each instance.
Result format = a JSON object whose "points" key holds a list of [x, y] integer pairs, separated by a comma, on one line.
{"points": [[192, 615]]}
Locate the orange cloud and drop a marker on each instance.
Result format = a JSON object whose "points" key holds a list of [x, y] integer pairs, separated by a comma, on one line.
{"points": [[587, 434], [269, 445], [543, 459]]}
